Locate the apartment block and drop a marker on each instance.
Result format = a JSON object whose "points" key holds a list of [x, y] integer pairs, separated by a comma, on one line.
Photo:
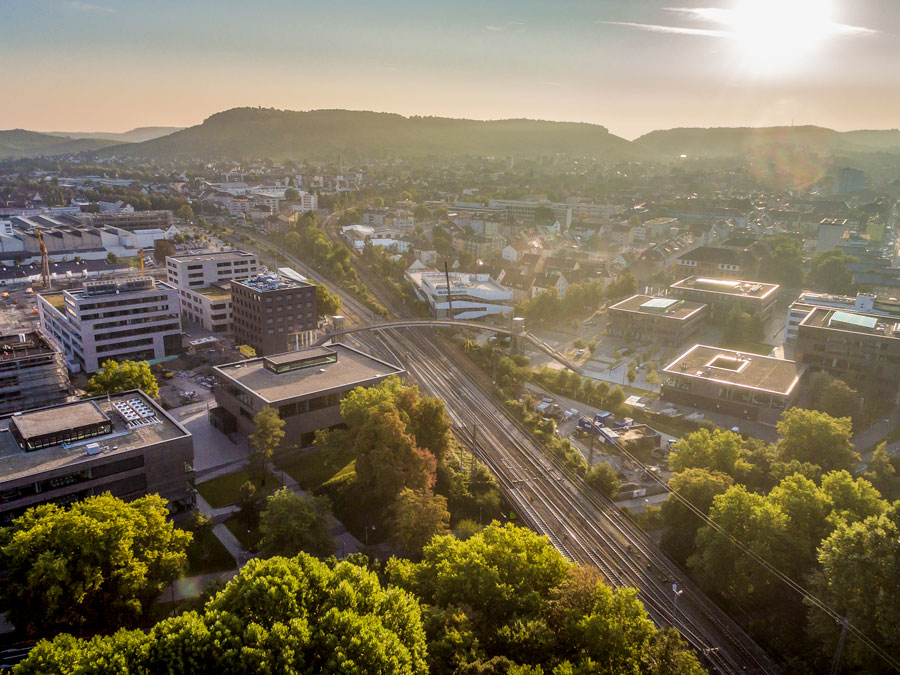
{"points": [[32, 374], [723, 295], [134, 319], [204, 281], [125, 444], [306, 387], [667, 321], [861, 349], [273, 312]]}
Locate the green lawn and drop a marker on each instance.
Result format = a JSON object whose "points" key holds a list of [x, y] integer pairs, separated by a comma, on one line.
{"points": [[316, 467], [249, 539], [226, 490], [206, 555]]}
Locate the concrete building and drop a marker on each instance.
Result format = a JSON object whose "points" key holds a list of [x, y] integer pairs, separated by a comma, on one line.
{"points": [[204, 280], [654, 230], [137, 220], [865, 303], [31, 373], [733, 383], [125, 444], [524, 211], [273, 312], [134, 319], [667, 321], [829, 233], [723, 295], [849, 180], [861, 349], [480, 246], [474, 295], [306, 387], [720, 263]]}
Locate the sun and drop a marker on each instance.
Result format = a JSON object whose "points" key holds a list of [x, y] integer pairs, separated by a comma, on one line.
{"points": [[777, 35]]}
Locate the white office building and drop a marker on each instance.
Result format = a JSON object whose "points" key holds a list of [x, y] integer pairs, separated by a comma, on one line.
{"points": [[879, 305], [473, 296]]}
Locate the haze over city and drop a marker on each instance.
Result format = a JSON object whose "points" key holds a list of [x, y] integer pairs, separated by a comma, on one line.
{"points": [[630, 66]]}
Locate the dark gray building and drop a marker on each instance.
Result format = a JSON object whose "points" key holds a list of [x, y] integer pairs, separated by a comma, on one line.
{"points": [[32, 374], [273, 313]]}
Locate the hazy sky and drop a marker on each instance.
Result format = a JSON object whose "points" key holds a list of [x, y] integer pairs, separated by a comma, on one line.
{"points": [[631, 65]]}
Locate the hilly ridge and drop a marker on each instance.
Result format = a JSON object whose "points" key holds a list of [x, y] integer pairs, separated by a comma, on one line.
{"points": [[21, 143], [137, 135]]}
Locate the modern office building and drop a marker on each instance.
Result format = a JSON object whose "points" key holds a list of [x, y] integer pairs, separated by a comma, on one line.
{"points": [[861, 349], [135, 319], [867, 303], [306, 387], [667, 321], [125, 444], [474, 295], [723, 295], [204, 281], [748, 386], [274, 312], [32, 374]]}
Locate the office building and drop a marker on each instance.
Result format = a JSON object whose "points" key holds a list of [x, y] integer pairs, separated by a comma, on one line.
{"points": [[125, 444], [723, 295], [865, 303], [306, 387], [273, 312], [667, 321], [32, 374], [204, 280], [135, 319], [861, 349], [474, 295], [748, 386], [127, 220]]}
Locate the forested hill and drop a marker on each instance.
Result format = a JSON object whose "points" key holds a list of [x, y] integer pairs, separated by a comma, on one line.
{"points": [[21, 143], [253, 132]]}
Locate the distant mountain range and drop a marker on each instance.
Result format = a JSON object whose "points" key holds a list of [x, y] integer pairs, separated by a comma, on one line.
{"points": [[252, 133]]}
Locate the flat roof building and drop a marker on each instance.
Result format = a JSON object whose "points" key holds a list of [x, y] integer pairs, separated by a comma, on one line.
{"points": [[32, 374], [135, 319], [306, 387], [723, 295], [867, 303], [669, 321], [125, 444], [859, 348], [274, 312], [474, 295], [749, 386], [204, 281]]}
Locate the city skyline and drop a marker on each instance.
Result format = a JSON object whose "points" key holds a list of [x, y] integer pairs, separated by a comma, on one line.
{"points": [[629, 66]]}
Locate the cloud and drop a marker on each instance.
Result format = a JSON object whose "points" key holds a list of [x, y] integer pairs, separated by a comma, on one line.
{"points": [[496, 29], [88, 7], [678, 30]]}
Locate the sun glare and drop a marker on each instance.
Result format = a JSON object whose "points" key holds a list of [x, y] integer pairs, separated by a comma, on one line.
{"points": [[776, 35]]}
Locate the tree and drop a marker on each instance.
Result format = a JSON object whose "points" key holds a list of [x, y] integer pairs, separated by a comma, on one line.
{"points": [[291, 523], [112, 258], [602, 478], [267, 438], [816, 437], [417, 517], [781, 261], [717, 450], [883, 474], [184, 212], [614, 399], [291, 195], [632, 373], [653, 379], [543, 215], [162, 248], [858, 578], [116, 376], [99, 563], [327, 303], [378, 202], [828, 270], [699, 487], [835, 397], [277, 616]]}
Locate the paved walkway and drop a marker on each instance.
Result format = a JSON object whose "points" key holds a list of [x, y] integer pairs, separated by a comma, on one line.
{"points": [[866, 441]]}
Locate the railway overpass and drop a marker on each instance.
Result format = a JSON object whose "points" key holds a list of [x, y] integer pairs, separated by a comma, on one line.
{"points": [[453, 323]]}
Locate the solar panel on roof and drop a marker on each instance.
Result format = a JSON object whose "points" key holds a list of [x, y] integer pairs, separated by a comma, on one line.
{"points": [[853, 320]]}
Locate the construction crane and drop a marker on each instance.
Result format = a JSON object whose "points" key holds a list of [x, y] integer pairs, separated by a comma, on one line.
{"points": [[45, 263]]}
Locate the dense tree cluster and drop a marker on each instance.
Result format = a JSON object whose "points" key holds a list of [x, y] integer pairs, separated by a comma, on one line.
{"points": [[116, 376], [579, 300]]}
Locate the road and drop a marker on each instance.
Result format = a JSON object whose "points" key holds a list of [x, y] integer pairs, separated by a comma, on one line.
{"points": [[582, 525]]}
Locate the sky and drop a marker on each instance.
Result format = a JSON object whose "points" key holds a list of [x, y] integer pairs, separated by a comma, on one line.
{"points": [[630, 65]]}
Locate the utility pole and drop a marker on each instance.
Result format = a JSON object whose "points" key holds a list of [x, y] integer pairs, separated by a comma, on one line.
{"points": [[449, 296], [591, 454], [839, 651]]}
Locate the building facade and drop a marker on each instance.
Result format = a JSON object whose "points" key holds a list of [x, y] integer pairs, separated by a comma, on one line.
{"points": [[135, 319], [723, 295], [32, 374], [204, 280], [667, 321], [474, 296], [273, 313], [125, 444], [130, 220], [306, 387]]}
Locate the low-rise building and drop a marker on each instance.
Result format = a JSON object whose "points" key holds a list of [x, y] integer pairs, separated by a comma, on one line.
{"points": [[32, 374], [667, 321], [723, 295], [273, 312], [866, 303], [204, 280], [306, 387], [129, 220], [861, 349], [135, 319], [478, 245], [473, 295], [748, 386], [125, 444], [717, 262]]}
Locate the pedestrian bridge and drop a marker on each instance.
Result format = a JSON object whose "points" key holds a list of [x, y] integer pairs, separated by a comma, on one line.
{"points": [[453, 323]]}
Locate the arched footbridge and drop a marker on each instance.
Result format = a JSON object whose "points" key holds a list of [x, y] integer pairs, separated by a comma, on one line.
{"points": [[452, 323]]}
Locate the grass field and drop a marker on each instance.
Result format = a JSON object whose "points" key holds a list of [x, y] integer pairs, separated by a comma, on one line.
{"points": [[249, 538], [316, 467], [226, 490], [207, 554]]}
